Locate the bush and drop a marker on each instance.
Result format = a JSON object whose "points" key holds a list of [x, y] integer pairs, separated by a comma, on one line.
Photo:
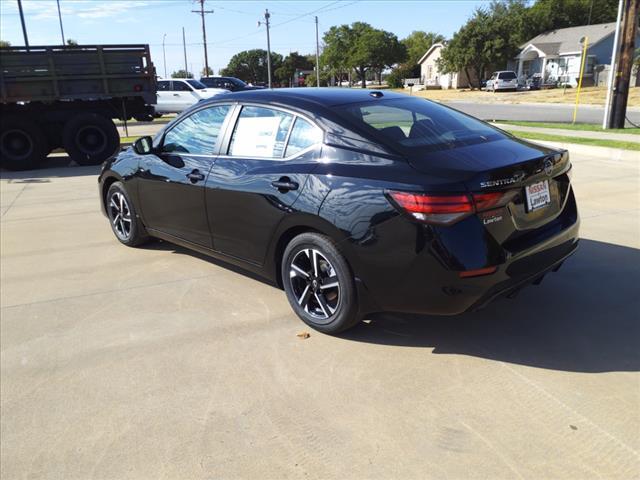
{"points": [[394, 79]]}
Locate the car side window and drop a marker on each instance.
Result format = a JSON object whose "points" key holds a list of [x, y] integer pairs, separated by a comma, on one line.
{"points": [[164, 85], [260, 132], [303, 135], [181, 87], [198, 133]]}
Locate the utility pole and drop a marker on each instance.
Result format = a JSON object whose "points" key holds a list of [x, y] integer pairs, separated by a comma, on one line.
{"points": [[612, 69], [267, 16], [60, 19], [164, 55], [24, 28], [625, 64], [317, 55], [202, 12], [184, 47]]}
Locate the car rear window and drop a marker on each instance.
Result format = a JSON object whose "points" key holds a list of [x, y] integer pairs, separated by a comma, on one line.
{"points": [[415, 124], [507, 76]]}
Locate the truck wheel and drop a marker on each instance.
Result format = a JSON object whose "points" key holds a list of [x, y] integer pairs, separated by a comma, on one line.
{"points": [[23, 144], [90, 139]]}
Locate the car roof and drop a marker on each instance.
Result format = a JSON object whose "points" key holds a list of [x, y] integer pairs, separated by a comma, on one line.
{"points": [[327, 96]]}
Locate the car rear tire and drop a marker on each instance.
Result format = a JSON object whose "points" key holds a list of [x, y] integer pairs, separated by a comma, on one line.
{"points": [[319, 284], [90, 138], [23, 144], [124, 221]]}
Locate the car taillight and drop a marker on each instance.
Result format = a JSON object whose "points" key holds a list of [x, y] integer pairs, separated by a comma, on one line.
{"points": [[137, 88], [445, 209]]}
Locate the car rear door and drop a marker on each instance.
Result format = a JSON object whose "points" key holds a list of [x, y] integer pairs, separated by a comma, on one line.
{"points": [[171, 182], [184, 95], [250, 188]]}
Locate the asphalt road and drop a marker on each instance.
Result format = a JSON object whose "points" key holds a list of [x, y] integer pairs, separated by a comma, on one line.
{"points": [[538, 112], [156, 362]]}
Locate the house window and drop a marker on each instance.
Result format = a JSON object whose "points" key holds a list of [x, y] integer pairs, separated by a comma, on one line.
{"points": [[429, 71]]}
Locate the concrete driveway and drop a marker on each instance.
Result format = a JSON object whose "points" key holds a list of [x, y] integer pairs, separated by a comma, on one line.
{"points": [[158, 363]]}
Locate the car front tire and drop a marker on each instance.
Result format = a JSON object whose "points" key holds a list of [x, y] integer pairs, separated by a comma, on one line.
{"points": [[123, 218], [319, 283]]}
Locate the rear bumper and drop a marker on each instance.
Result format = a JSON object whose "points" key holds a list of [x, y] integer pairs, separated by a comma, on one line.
{"points": [[416, 278]]}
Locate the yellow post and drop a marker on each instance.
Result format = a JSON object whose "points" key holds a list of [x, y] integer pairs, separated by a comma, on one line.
{"points": [[584, 59]]}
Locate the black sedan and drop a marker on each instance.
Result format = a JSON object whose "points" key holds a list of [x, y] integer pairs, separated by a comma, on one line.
{"points": [[353, 201]]}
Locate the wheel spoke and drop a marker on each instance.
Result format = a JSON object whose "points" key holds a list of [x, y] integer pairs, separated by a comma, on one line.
{"points": [[323, 304], [296, 271], [314, 262], [114, 205], [330, 282], [121, 198], [116, 219], [304, 298]]}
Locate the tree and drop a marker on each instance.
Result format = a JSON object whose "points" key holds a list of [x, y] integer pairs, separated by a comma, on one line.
{"points": [[386, 50], [251, 65], [362, 48], [292, 62], [490, 38], [335, 53], [71, 42], [417, 44], [467, 49], [5, 44], [182, 74], [547, 15], [207, 72]]}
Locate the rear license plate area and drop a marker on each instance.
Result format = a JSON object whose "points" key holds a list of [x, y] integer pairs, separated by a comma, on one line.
{"points": [[538, 195]]}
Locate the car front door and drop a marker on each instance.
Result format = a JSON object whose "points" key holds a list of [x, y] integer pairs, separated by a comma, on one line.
{"points": [[253, 185], [171, 182], [184, 95]]}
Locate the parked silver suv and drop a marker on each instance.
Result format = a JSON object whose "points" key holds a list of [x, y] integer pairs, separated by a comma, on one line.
{"points": [[502, 80]]}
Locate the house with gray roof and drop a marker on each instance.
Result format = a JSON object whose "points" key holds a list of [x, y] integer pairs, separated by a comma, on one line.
{"points": [[557, 55]]}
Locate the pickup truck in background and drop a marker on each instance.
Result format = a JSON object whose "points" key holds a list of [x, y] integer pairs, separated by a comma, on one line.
{"points": [[67, 97], [176, 94]]}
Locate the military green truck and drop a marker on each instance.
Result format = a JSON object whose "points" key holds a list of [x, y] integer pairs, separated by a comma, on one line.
{"points": [[67, 97]]}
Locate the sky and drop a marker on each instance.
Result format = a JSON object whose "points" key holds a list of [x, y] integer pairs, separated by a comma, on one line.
{"points": [[230, 29]]}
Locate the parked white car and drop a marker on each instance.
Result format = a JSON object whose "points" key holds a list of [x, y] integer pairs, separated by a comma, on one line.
{"points": [[502, 80], [176, 94]]}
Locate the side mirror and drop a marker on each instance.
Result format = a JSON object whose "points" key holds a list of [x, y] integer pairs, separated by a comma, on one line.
{"points": [[143, 145]]}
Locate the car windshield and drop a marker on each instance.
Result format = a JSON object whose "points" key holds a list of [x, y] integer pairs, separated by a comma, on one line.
{"points": [[196, 84], [237, 82], [415, 124]]}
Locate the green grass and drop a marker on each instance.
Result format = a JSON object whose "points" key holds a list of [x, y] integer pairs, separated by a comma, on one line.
{"points": [[128, 139], [585, 127], [596, 142]]}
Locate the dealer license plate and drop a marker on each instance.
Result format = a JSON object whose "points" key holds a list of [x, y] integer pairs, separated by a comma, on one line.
{"points": [[538, 195]]}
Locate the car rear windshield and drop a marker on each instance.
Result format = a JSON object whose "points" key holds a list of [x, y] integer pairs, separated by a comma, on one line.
{"points": [[416, 124], [507, 76], [196, 84]]}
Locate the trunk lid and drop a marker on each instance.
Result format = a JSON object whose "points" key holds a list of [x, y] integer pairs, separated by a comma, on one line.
{"points": [[510, 166]]}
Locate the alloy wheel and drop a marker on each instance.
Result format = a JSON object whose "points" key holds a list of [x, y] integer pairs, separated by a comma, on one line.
{"points": [[315, 284], [120, 215]]}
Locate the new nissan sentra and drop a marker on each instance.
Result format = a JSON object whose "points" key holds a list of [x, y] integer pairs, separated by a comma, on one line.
{"points": [[352, 201]]}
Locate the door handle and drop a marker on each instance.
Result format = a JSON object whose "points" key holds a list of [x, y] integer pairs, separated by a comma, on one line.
{"points": [[284, 185], [176, 94], [195, 176]]}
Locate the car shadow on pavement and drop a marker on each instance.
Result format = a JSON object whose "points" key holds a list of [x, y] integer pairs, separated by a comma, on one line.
{"points": [[585, 318], [55, 166]]}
